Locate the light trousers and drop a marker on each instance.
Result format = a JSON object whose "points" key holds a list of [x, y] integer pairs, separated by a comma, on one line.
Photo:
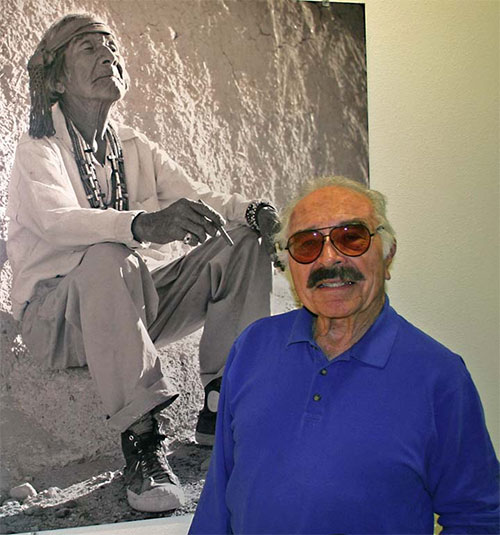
{"points": [[111, 313]]}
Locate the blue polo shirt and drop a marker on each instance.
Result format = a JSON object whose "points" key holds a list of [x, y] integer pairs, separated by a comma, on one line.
{"points": [[374, 441]]}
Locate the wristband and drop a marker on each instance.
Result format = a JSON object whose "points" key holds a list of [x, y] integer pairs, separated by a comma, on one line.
{"points": [[252, 211]]}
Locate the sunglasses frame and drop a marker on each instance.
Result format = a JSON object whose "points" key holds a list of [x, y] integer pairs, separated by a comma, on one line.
{"points": [[325, 236]]}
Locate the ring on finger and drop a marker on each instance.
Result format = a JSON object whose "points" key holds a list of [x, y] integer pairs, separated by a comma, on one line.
{"points": [[187, 238]]}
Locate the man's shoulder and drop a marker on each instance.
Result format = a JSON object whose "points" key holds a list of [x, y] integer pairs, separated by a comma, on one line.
{"points": [[261, 342], [27, 140], [425, 351], [128, 133], [131, 137], [29, 148], [270, 327]]}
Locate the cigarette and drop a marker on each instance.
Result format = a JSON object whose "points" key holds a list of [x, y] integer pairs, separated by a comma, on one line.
{"points": [[225, 235], [220, 228]]}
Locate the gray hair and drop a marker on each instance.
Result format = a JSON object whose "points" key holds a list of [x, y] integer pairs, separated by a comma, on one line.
{"points": [[378, 201]]}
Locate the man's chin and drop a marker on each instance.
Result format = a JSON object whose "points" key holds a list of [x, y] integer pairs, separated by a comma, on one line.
{"points": [[114, 89], [120, 91]]}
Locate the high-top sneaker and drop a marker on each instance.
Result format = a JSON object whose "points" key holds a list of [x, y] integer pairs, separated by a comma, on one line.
{"points": [[205, 427], [152, 486]]}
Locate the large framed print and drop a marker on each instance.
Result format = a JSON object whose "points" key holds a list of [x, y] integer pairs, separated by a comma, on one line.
{"points": [[248, 96]]}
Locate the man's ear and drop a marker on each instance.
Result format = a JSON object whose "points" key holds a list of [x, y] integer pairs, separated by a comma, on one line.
{"points": [[388, 260]]}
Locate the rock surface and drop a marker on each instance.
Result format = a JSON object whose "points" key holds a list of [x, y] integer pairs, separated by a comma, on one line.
{"points": [[23, 491]]}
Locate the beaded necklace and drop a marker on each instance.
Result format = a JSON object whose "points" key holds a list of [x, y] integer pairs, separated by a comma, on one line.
{"points": [[86, 168]]}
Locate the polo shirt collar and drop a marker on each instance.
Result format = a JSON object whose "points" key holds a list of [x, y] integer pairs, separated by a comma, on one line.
{"points": [[375, 346], [373, 349]]}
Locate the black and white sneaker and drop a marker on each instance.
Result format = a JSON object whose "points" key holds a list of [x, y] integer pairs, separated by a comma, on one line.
{"points": [[152, 485], [205, 427]]}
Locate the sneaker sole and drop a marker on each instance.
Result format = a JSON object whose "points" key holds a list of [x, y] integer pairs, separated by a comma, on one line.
{"points": [[157, 500], [204, 439]]}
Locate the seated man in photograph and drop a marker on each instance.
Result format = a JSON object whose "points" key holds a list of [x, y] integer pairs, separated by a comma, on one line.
{"points": [[342, 417], [90, 206]]}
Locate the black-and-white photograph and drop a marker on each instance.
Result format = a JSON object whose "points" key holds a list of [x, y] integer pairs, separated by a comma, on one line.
{"points": [[147, 149]]}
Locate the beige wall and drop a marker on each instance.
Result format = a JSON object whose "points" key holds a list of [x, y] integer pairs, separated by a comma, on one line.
{"points": [[433, 106]]}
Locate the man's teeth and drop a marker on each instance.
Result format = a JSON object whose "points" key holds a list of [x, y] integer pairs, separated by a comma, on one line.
{"points": [[335, 284]]}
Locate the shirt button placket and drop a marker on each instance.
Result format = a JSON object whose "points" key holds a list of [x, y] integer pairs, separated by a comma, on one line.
{"points": [[317, 396]]}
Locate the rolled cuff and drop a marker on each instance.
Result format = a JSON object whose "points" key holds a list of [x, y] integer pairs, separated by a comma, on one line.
{"points": [[160, 393]]}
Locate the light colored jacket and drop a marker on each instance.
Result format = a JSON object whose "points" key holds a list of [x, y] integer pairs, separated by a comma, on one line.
{"points": [[51, 223]]}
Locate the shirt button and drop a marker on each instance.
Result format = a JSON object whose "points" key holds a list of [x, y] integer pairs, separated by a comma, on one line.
{"points": [[323, 371], [316, 397]]}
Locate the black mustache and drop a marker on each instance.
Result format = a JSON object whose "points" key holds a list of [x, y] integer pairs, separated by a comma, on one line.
{"points": [[344, 273]]}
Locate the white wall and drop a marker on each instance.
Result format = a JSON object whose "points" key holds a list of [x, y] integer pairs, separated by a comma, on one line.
{"points": [[433, 101]]}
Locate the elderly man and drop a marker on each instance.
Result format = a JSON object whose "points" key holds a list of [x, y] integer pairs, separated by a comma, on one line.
{"points": [[342, 417], [91, 204]]}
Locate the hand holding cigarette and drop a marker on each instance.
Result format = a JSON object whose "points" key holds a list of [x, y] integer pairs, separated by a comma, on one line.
{"points": [[220, 228], [188, 221]]}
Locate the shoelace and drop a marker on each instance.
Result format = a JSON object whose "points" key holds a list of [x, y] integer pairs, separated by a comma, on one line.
{"points": [[153, 461]]}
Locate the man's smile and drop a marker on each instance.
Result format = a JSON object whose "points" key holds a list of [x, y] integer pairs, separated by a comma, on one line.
{"points": [[335, 284]]}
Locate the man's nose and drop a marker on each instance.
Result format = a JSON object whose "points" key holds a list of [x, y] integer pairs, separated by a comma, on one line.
{"points": [[329, 255], [108, 55]]}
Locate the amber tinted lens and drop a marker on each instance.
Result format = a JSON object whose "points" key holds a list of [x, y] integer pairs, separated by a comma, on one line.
{"points": [[305, 247], [351, 240]]}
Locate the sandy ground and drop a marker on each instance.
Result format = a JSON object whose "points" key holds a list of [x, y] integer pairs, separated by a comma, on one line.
{"points": [[94, 493]]}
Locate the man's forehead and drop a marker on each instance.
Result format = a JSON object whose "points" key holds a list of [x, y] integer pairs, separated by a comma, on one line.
{"points": [[330, 206]]}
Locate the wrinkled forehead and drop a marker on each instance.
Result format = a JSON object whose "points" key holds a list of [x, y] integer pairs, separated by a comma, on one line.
{"points": [[94, 37], [329, 206]]}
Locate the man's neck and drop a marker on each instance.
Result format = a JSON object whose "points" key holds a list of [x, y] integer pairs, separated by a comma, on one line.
{"points": [[336, 335], [90, 118]]}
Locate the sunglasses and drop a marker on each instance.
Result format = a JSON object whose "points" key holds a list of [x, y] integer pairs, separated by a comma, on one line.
{"points": [[350, 240]]}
